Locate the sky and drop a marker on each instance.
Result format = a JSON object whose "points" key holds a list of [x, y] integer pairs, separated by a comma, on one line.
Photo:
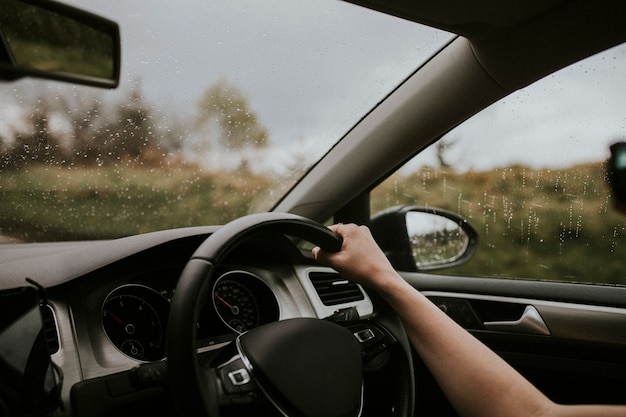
{"points": [[310, 70], [570, 117]]}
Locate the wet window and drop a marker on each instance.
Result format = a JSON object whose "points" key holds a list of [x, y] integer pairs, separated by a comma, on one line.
{"points": [[530, 174], [222, 106]]}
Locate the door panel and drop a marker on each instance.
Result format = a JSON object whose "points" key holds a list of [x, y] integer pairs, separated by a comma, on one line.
{"points": [[560, 320], [567, 339]]}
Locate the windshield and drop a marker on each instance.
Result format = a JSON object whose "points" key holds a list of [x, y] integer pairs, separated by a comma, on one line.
{"points": [[221, 107]]}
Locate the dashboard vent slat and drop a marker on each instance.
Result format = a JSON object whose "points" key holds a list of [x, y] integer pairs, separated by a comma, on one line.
{"points": [[333, 289], [50, 329]]}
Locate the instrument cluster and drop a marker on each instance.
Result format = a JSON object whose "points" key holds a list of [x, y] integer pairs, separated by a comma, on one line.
{"points": [[134, 316]]}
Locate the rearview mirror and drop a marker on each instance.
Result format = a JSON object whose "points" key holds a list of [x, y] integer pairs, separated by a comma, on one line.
{"points": [[45, 39], [420, 238]]}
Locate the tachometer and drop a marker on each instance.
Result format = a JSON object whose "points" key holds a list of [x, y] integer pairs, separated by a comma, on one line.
{"points": [[133, 318]]}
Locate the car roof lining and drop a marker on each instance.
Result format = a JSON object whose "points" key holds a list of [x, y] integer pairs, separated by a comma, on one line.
{"points": [[518, 56], [501, 32], [468, 19]]}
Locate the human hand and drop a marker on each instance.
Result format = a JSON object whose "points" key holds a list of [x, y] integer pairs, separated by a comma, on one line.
{"points": [[360, 258]]}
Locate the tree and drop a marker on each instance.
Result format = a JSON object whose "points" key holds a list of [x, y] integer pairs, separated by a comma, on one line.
{"points": [[92, 133], [39, 146], [442, 149], [123, 132], [84, 117], [239, 126], [133, 131]]}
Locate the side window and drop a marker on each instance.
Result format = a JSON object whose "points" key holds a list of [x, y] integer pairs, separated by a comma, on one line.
{"points": [[530, 174]]}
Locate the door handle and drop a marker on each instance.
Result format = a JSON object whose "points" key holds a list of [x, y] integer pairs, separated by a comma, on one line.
{"points": [[530, 323]]}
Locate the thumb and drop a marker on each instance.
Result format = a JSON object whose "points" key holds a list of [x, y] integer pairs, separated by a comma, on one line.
{"points": [[320, 255]]}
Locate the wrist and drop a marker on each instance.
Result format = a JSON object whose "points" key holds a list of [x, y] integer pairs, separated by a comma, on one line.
{"points": [[390, 284]]}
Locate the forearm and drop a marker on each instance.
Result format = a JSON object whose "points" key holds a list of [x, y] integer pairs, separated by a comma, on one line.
{"points": [[476, 380], [588, 411]]}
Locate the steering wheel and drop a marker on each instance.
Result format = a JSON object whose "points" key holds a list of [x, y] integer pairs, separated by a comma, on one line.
{"points": [[304, 366]]}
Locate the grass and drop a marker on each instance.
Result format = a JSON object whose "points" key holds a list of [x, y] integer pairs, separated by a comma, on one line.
{"points": [[539, 224], [47, 203]]}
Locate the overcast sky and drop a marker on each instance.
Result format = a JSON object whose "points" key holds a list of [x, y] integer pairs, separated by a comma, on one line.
{"points": [[308, 94], [570, 117], [310, 70]]}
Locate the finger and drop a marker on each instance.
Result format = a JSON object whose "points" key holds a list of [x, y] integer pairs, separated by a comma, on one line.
{"points": [[341, 229], [319, 254]]}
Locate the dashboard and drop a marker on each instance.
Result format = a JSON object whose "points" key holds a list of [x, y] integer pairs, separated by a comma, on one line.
{"points": [[109, 302]]}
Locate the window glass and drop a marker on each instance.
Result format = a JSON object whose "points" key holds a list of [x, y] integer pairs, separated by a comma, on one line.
{"points": [[222, 106], [530, 174]]}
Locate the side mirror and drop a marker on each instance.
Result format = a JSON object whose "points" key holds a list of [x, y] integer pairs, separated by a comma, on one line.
{"points": [[45, 39], [422, 238]]}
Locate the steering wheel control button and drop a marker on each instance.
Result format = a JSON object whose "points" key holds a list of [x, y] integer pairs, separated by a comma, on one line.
{"points": [[239, 377], [235, 377], [367, 334], [372, 338], [364, 335]]}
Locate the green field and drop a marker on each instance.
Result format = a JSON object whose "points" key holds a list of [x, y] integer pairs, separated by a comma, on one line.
{"points": [[539, 224], [44, 203]]}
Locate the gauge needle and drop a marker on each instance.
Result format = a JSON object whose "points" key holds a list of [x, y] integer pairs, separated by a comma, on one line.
{"points": [[115, 317], [233, 309], [221, 300]]}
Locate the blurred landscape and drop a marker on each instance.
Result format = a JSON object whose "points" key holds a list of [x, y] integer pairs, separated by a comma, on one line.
{"points": [[548, 224], [539, 224], [45, 203], [79, 168]]}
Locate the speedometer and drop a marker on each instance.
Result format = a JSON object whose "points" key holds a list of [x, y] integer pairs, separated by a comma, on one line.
{"points": [[236, 305], [242, 301]]}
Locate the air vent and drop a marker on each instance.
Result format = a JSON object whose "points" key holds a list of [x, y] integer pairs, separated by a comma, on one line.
{"points": [[333, 289], [50, 330]]}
